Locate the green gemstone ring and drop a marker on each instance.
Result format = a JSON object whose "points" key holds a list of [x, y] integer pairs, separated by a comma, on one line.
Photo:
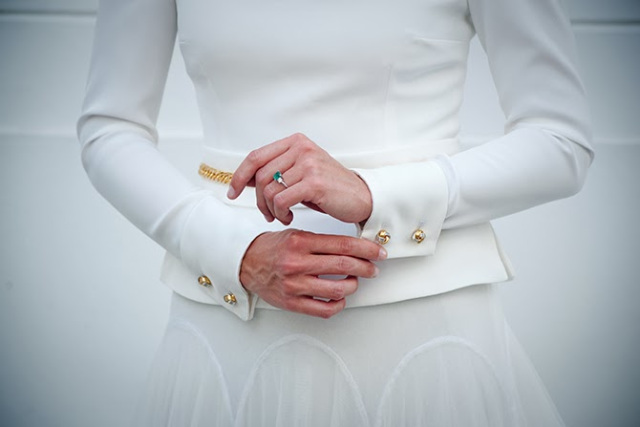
{"points": [[277, 177]]}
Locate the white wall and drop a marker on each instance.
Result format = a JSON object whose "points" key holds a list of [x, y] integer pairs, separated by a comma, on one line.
{"points": [[81, 310]]}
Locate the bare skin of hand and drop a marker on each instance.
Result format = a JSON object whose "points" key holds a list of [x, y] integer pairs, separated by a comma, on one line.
{"points": [[283, 268], [313, 178]]}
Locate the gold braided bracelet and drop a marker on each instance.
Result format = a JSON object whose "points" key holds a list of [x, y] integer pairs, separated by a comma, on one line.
{"points": [[214, 174]]}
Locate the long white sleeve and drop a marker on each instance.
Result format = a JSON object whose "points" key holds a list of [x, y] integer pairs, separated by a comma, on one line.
{"points": [[251, 98], [543, 156], [132, 49]]}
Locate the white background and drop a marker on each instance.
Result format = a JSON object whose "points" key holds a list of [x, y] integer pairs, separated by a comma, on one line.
{"points": [[82, 311]]}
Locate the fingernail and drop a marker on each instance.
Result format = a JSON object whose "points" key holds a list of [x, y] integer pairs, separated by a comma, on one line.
{"points": [[376, 271], [382, 254], [231, 193]]}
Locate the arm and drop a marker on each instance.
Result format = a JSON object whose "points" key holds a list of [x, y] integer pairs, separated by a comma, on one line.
{"points": [[133, 44], [132, 50], [546, 150], [543, 156]]}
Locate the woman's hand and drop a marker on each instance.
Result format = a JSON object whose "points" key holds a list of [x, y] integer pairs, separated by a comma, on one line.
{"points": [[312, 178], [283, 267]]}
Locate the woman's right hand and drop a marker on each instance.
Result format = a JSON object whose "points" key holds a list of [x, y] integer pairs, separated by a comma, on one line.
{"points": [[283, 267]]}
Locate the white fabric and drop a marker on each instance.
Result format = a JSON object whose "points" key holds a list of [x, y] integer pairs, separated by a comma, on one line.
{"points": [[466, 255], [374, 79], [442, 361], [355, 76], [469, 255]]}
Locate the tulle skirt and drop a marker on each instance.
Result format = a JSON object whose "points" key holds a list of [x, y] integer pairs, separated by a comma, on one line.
{"points": [[444, 360]]}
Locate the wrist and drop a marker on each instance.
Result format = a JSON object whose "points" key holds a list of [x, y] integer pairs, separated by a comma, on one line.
{"points": [[247, 265], [366, 202]]}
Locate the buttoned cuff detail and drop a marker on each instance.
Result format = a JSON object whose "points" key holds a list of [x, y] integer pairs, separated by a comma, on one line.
{"points": [[410, 203], [213, 245]]}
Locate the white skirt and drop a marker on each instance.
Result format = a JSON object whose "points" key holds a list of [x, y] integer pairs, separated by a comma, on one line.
{"points": [[444, 360]]}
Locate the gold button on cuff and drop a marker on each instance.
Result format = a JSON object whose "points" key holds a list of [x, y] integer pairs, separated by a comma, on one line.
{"points": [[230, 299], [383, 237], [204, 281], [418, 236]]}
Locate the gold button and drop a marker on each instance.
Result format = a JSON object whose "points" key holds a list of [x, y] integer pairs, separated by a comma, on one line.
{"points": [[383, 237], [230, 299], [418, 236], [204, 281]]}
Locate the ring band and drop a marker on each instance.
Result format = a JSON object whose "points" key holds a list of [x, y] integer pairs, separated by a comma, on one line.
{"points": [[277, 177]]}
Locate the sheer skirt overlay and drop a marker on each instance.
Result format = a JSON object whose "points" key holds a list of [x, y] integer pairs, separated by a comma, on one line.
{"points": [[446, 360]]}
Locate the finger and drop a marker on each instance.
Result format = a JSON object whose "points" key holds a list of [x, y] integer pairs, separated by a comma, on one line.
{"points": [[267, 187], [342, 265], [284, 199], [271, 192], [281, 201], [261, 203], [315, 307], [283, 164], [330, 244], [261, 198], [255, 160], [318, 287], [328, 289], [294, 194]]}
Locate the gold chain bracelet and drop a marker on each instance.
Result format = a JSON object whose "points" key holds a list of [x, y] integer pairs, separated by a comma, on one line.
{"points": [[215, 174]]}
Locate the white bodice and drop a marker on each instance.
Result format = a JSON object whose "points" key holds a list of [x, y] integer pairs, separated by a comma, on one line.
{"points": [[354, 76], [378, 84]]}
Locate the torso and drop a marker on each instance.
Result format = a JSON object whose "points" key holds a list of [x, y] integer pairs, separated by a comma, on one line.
{"points": [[353, 75]]}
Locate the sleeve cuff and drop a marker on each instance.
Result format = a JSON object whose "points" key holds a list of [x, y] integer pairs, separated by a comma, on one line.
{"points": [[410, 203], [213, 244]]}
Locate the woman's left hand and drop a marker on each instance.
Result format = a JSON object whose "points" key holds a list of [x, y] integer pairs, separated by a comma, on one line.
{"points": [[312, 177]]}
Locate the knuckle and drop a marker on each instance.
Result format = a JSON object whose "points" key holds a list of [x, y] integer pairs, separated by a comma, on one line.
{"points": [[269, 191], [262, 176], [344, 264], [310, 166], [279, 202], [326, 312], [346, 245], [330, 310], [288, 287], [254, 156], [302, 142], [314, 180], [306, 163], [309, 163], [296, 239], [286, 264], [299, 137], [338, 291], [306, 145], [352, 285]]}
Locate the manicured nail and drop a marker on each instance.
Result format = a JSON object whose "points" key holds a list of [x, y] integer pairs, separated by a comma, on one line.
{"points": [[231, 193], [376, 271], [382, 254]]}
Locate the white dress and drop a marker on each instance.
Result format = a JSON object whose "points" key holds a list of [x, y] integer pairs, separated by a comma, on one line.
{"points": [[446, 360], [378, 84]]}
